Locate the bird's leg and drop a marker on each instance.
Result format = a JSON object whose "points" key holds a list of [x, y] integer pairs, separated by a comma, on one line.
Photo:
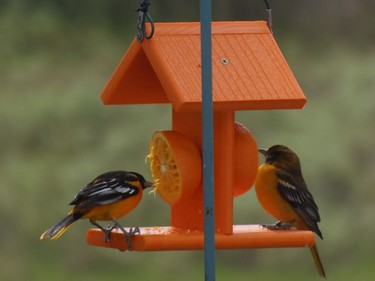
{"points": [[128, 234], [278, 226], [111, 227], [106, 231]]}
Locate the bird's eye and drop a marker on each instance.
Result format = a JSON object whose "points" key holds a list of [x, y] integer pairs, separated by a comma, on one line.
{"points": [[271, 158]]}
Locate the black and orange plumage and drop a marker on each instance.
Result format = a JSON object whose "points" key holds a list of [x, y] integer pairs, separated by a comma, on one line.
{"points": [[283, 193], [108, 197]]}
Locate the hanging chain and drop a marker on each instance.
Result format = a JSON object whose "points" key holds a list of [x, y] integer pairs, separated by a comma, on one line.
{"points": [[269, 14], [143, 15]]}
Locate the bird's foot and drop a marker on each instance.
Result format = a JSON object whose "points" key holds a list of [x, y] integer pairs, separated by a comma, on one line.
{"points": [[128, 234], [278, 226], [107, 232], [134, 231]]}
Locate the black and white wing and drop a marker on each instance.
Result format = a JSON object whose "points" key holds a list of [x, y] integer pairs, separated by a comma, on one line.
{"points": [[105, 189], [294, 190]]}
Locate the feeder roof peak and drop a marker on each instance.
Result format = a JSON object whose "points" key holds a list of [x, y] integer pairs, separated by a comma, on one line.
{"points": [[249, 70]]}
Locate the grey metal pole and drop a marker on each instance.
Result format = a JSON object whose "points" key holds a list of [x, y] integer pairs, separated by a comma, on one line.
{"points": [[208, 145]]}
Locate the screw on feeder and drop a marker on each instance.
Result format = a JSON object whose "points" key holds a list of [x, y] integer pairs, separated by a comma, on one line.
{"points": [[224, 60], [141, 25], [209, 211]]}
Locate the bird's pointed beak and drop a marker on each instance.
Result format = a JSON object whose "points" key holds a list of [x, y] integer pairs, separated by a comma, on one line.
{"points": [[147, 184], [263, 151]]}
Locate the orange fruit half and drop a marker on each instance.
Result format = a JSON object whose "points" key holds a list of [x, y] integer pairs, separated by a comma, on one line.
{"points": [[176, 165], [245, 153]]}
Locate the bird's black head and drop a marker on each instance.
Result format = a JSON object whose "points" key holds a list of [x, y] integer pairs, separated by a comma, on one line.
{"points": [[142, 180], [281, 157]]}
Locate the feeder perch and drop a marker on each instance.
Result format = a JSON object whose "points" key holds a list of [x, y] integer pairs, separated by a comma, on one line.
{"points": [[249, 73]]}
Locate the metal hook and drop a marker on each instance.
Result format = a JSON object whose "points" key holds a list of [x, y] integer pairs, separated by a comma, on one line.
{"points": [[269, 15], [141, 25]]}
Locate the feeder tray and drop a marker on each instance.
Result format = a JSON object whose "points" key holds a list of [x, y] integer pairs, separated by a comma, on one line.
{"points": [[172, 239]]}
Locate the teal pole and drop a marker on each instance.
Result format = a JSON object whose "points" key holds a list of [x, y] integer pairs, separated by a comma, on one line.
{"points": [[207, 141]]}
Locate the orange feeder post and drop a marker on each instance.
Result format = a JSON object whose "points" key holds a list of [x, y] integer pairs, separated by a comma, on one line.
{"points": [[249, 73]]}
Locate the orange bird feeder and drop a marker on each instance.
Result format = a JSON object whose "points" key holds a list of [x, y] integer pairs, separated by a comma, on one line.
{"points": [[249, 73]]}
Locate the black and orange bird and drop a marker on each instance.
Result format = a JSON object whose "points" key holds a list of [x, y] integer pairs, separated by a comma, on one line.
{"points": [[108, 197], [283, 193]]}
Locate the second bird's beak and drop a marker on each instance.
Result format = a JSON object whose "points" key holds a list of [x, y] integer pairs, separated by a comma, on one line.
{"points": [[148, 184], [263, 151]]}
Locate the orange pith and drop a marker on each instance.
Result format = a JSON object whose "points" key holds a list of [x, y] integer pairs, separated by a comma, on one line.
{"points": [[175, 165]]}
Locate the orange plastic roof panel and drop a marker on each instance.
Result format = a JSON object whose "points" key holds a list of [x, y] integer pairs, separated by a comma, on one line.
{"points": [[249, 70], [172, 58]]}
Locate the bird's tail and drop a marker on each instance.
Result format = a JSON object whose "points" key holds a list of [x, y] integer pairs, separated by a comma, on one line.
{"points": [[58, 229], [318, 262]]}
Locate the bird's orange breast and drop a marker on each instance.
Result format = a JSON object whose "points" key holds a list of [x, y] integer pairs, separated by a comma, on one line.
{"points": [[269, 197], [115, 210]]}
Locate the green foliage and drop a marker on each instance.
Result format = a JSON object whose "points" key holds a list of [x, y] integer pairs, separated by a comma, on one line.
{"points": [[56, 57]]}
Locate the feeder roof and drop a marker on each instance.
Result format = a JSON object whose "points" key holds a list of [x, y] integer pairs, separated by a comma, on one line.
{"points": [[249, 70]]}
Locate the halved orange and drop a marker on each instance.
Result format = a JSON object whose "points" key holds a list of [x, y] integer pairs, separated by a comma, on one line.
{"points": [[245, 156], [176, 165]]}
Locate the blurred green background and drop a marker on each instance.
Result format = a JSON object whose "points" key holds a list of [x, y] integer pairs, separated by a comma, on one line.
{"points": [[56, 135]]}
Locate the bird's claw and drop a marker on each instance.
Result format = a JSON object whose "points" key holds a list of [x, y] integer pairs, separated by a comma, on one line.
{"points": [[278, 226], [134, 231], [107, 232], [129, 234]]}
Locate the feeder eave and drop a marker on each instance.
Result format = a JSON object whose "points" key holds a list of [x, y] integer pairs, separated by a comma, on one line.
{"points": [[134, 81]]}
